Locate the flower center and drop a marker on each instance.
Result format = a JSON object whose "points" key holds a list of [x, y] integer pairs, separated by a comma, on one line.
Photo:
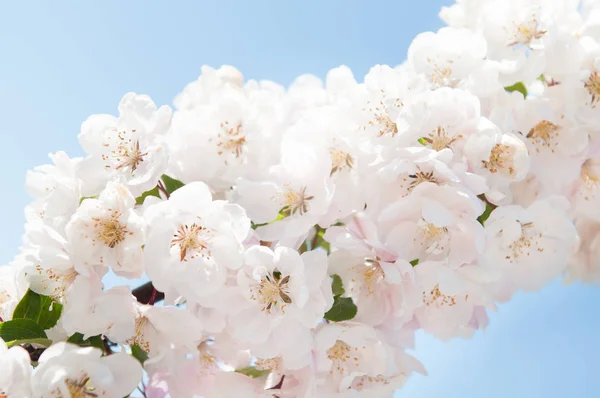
{"points": [[81, 388], [60, 281], [589, 177], [370, 273], [526, 32], [439, 139], [433, 238], [231, 140], [592, 84], [295, 201], [442, 77], [340, 160], [129, 155], [110, 230], [272, 290], [192, 240], [382, 119], [340, 354], [207, 360], [139, 337], [272, 364], [435, 296], [421, 177], [525, 244], [544, 134], [501, 157]]}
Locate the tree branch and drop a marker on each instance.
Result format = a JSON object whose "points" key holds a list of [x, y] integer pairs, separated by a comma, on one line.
{"points": [[147, 294]]}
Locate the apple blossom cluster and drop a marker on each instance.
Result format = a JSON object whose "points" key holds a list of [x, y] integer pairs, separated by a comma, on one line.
{"points": [[294, 240]]}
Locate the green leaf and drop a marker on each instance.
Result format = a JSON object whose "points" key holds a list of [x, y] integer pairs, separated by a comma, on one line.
{"points": [[519, 86], [343, 310], [41, 309], [337, 286], [42, 342], [139, 354], [486, 213], [152, 192], [414, 262], [489, 208], [422, 141], [253, 372], [93, 341], [86, 197], [171, 184], [21, 329]]}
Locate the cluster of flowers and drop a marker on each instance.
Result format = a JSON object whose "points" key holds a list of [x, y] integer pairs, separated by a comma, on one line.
{"points": [[300, 237]]}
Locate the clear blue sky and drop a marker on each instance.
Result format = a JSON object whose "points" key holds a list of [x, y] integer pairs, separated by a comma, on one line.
{"points": [[61, 61]]}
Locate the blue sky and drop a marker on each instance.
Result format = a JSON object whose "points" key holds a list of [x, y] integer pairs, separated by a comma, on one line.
{"points": [[62, 61]]}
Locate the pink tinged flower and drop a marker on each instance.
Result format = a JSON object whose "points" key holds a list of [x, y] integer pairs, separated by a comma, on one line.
{"points": [[376, 286], [501, 158], [162, 328], [108, 231], [434, 223], [351, 356], [445, 299], [529, 246], [67, 370], [586, 196], [232, 384], [281, 297], [585, 265]]}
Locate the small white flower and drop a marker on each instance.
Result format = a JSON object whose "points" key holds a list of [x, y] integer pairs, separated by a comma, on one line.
{"points": [[107, 231], [15, 377], [66, 370], [192, 241], [128, 149]]}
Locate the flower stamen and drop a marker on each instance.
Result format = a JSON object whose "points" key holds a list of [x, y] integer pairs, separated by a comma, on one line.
{"points": [[231, 140], [544, 134], [271, 290], [501, 157], [192, 238], [592, 84], [439, 139], [340, 160], [295, 201], [110, 230]]}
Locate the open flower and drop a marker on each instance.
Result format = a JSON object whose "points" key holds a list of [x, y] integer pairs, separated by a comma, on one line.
{"points": [[107, 231], [351, 357], [529, 246], [193, 241], [282, 296], [15, 377], [67, 370], [128, 149]]}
